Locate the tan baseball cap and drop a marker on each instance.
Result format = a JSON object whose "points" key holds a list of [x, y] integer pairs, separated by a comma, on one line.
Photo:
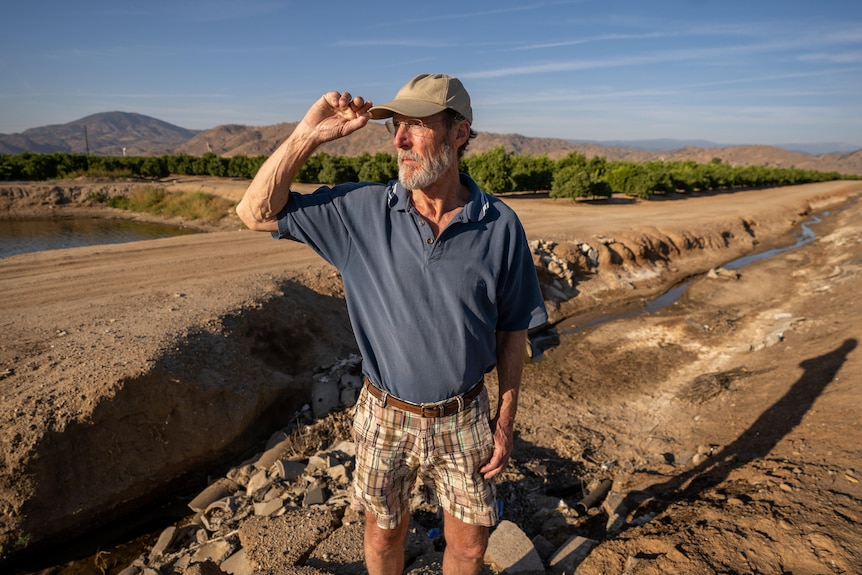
{"points": [[426, 95]]}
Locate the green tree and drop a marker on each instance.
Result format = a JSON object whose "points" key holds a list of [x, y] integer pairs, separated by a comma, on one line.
{"points": [[38, 166], [630, 178], [213, 165], [571, 181], [492, 170], [381, 167], [155, 168], [532, 173], [336, 170]]}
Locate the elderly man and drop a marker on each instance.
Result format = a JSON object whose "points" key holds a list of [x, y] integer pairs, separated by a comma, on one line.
{"points": [[440, 288]]}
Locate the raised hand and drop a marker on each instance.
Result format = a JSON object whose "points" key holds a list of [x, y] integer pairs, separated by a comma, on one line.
{"points": [[334, 116]]}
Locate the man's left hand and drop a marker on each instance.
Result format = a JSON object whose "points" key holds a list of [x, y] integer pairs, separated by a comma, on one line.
{"points": [[503, 444]]}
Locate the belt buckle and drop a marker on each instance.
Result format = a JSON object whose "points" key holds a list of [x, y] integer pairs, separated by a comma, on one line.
{"points": [[433, 410]]}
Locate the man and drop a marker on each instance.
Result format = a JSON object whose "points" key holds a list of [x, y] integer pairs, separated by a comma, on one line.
{"points": [[441, 289]]}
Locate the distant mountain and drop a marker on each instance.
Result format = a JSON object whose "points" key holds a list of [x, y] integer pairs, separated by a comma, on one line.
{"points": [[670, 144], [824, 148], [140, 135], [105, 134], [654, 145]]}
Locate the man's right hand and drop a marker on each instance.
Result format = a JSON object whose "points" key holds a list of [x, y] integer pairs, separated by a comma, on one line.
{"points": [[334, 116]]}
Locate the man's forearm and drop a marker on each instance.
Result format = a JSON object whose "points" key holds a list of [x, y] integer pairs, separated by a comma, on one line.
{"points": [[510, 363], [268, 192], [333, 116]]}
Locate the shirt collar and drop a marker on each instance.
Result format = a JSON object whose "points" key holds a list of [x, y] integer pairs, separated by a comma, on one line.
{"points": [[398, 198]]}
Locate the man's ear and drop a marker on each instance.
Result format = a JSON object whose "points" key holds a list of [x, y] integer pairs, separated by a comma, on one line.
{"points": [[462, 133]]}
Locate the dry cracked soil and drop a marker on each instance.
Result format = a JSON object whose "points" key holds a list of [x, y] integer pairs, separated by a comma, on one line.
{"points": [[728, 420]]}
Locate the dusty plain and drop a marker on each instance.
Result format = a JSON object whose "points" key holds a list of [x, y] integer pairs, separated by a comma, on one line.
{"points": [[728, 421]]}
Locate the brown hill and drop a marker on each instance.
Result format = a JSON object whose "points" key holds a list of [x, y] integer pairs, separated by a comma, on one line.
{"points": [[105, 134]]}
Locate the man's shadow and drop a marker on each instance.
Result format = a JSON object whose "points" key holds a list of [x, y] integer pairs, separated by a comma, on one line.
{"points": [[756, 442]]}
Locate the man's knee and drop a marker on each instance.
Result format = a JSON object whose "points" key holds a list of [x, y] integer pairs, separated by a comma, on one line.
{"points": [[383, 540], [466, 542], [466, 551]]}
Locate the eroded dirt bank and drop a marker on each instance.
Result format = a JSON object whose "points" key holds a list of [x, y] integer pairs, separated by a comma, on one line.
{"points": [[126, 366]]}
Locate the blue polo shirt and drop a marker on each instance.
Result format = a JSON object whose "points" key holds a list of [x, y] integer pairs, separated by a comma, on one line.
{"points": [[424, 311]]}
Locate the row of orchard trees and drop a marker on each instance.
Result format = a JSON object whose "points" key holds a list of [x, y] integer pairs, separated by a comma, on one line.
{"points": [[31, 166], [496, 171], [319, 168], [575, 176]]}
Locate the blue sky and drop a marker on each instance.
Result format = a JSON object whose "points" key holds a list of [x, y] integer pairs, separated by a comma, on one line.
{"points": [[729, 71]]}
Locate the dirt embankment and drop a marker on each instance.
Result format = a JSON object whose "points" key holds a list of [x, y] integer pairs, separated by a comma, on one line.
{"points": [[124, 367]]}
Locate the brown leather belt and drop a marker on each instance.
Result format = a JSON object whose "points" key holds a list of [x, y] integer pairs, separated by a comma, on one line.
{"points": [[439, 409]]}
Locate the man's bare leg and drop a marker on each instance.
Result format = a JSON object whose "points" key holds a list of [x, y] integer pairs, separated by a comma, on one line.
{"points": [[465, 546], [384, 548]]}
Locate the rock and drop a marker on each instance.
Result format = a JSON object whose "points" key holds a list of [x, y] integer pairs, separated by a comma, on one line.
{"points": [[314, 495], [258, 481], [325, 396], [216, 551], [270, 507], [219, 489], [348, 397], [288, 470], [511, 551], [165, 539], [237, 564], [272, 454]]}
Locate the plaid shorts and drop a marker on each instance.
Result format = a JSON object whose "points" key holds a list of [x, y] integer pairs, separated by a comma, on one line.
{"points": [[394, 448]]}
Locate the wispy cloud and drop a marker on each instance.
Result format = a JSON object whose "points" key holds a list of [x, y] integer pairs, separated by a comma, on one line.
{"points": [[395, 42], [478, 15], [833, 58], [207, 11], [715, 54]]}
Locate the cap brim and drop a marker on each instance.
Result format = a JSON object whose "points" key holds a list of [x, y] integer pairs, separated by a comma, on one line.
{"points": [[410, 108]]}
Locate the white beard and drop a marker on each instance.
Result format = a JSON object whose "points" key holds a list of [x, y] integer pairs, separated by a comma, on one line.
{"points": [[429, 171]]}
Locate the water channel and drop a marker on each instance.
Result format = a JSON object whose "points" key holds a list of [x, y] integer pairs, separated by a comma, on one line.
{"points": [[27, 236], [550, 338]]}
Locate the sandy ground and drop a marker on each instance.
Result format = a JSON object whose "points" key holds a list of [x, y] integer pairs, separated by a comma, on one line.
{"points": [[728, 421]]}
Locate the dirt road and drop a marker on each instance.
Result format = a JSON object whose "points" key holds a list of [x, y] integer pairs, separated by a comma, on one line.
{"points": [[728, 422]]}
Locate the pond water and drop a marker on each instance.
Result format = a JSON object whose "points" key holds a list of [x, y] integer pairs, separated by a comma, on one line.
{"points": [[26, 236]]}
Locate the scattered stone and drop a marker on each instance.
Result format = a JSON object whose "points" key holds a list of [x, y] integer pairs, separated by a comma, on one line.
{"points": [[258, 481], [267, 508], [722, 273], [164, 541], [325, 396], [288, 470], [215, 551], [273, 454], [511, 551], [237, 564], [219, 489], [314, 495]]}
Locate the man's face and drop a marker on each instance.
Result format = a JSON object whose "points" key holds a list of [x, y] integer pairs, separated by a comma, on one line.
{"points": [[424, 151]]}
